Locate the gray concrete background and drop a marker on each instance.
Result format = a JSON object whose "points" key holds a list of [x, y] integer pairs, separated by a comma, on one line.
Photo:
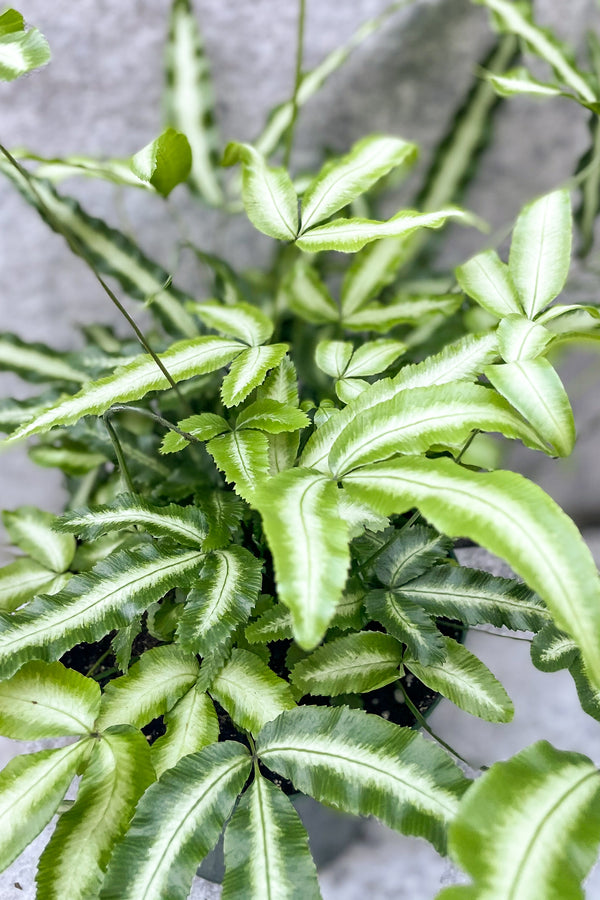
{"points": [[101, 94]]}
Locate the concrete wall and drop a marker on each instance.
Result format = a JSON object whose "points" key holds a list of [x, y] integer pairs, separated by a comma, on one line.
{"points": [[101, 94]]}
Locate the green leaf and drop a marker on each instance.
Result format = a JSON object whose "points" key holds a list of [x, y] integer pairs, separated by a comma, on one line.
{"points": [[92, 604], [74, 861], [309, 543], [191, 725], [589, 697], [111, 251], [151, 687], [243, 457], [184, 359], [405, 310], [222, 598], [266, 848], [517, 19], [412, 421], [176, 823], [37, 362], [529, 827], [32, 530], [511, 517], [243, 322], [466, 681], [409, 553], [348, 389], [72, 460], [223, 511], [20, 50], [552, 649], [534, 388], [21, 580], [332, 357], [250, 692], [488, 281], [204, 426], [520, 338], [350, 235], [355, 663], [248, 370], [342, 180], [307, 296], [474, 598], [540, 252], [275, 624], [374, 357], [268, 194], [364, 765], [165, 162], [44, 700], [281, 384], [519, 81], [272, 416], [185, 524], [370, 271], [56, 169], [408, 623], [189, 99], [31, 788]]}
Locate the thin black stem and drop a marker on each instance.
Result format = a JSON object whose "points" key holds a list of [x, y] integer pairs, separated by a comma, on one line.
{"points": [[159, 419], [423, 723], [500, 634], [122, 463], [99, 662], [467, 444], [297, 81], [79, 250]]}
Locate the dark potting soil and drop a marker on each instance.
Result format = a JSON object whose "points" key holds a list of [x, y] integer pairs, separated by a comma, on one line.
{"points": [[98, 661]]}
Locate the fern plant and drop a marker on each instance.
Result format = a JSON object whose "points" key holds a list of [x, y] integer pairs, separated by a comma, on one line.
{"points": [[252, 559]]}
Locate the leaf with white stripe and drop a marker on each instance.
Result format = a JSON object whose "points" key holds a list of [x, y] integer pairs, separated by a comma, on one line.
{"points": [[534, 388], [203, 426], [250, 691], [355, 663], [408, 623], [31, 788], [268, 194], [529, 827], [552, 649], [185, 524], [462, 361], [466, 681], [414, 420], [111, 251], [243, 457], [92, 604], [351, 235], [540, 252], [275, 624], [191, 725], [511, 517], [371, 270], [243, 321], [405, 310], [517, 19], [520, 81], [363, 765], [176, 823], [189, 99], [75, 859], [32, 530], [36, 362], [272, 416], [332, 357], [342, 180], [520, 338], [307, 296], [182, 360], [408, 553], [248, 370], [222, 597], [44, 700], [20, 50], [487, 280], [21, 581], [309, 543], [476, 598], [56, 169], [150, 688], [165, 162], [266, 848], [374, 357]]}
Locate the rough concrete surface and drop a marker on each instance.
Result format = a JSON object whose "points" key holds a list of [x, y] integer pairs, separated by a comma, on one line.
{"points": [[101, 95]]}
